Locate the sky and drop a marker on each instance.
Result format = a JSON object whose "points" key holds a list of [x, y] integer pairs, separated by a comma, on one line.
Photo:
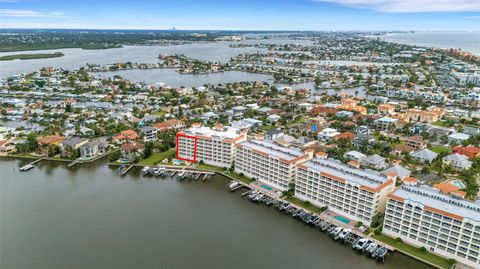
{"points": [[316, 15]]}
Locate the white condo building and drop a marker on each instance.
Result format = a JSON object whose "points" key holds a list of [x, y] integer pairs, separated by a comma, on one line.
{"points": [[268, 162], [443, 223], [354, 193], [212, 146]]}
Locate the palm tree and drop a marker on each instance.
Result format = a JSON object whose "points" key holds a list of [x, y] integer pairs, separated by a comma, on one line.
{"points": [[425, 170]]}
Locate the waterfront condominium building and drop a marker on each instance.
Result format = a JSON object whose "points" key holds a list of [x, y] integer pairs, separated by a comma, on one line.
{"points": [[354, 193], [268, 162], [438, 219], [212, 146]]}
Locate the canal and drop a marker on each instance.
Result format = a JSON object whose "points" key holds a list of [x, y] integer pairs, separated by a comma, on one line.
{"points": [[88, 217]]}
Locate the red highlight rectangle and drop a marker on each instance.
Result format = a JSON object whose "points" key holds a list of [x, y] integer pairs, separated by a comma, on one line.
{"points": [[194, 147]]}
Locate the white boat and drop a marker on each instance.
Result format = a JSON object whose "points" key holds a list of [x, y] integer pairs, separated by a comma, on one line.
{"points": [[233, 185], [361, 243], [336, 231], [145, 170], [344, 233], [371, 247]]}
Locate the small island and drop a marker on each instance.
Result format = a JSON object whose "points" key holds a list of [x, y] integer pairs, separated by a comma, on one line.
{"points": [[31, 56]]}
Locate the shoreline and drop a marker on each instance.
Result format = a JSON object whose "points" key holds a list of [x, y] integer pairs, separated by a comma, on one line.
{"points": [[227, 176], [33, 56]]}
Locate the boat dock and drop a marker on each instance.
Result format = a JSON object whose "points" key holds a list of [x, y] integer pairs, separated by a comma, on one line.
{"points": [[181, 172], [30, 165], [124, 171], [73, 163], [324, 221]]}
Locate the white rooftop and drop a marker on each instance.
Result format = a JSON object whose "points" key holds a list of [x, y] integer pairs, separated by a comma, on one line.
{"points": [[334, 167], [273, 149], [228, 132], [429, 196]]}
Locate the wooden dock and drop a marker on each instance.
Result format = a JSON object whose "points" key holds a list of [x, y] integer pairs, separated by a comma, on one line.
{"points": [[125, 171], [73, 163], [30, 165]]}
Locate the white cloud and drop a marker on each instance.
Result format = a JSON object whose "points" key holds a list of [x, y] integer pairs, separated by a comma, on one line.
{"points": [[412, 6], [28, 13]]}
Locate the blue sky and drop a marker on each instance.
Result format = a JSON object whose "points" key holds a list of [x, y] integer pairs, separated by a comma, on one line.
{"points": [[243, 14]]}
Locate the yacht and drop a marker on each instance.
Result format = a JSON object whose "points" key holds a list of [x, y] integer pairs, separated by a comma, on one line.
{"points": [[335, 231], [362, 242], [371, 248], [145, 170], [344, 233]]}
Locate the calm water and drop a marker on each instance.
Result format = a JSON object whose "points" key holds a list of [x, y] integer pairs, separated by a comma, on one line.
{"points": [[87, 217], [175, 79], [219, 51], [469, 41]]}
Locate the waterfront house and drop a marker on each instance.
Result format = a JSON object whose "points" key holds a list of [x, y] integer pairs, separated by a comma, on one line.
{"points": [[69, 147], [93, 148], [49, 141], [131, 151], [7, 147]]}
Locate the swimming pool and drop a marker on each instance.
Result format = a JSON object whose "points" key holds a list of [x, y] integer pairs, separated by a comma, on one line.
{"points": [[342, 219], [266, 187], [457, 183]]}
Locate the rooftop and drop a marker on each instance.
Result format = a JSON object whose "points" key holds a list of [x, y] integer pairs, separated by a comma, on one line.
{"points": [[226, 133], [336, 168], [433, 197], [273, 149]]}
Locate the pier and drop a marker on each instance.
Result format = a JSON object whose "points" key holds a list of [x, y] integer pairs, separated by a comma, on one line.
{"points": [[182, 172], [323, 218], [125, 171], [73, 163], [30, 165]]}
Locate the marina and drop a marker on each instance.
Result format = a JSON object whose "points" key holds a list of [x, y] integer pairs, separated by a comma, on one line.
{"points": [[350, 237], [173, 210]]}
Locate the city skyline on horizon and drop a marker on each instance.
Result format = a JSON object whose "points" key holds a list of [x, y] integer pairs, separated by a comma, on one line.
{"points": [[265, 15]]}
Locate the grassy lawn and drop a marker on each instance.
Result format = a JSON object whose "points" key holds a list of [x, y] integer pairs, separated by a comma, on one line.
{"points": [[239, 177], [440, 149], [417, 252], [304, 205], [220, 169], [156, 158], [442, 123], [209, 167]]}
